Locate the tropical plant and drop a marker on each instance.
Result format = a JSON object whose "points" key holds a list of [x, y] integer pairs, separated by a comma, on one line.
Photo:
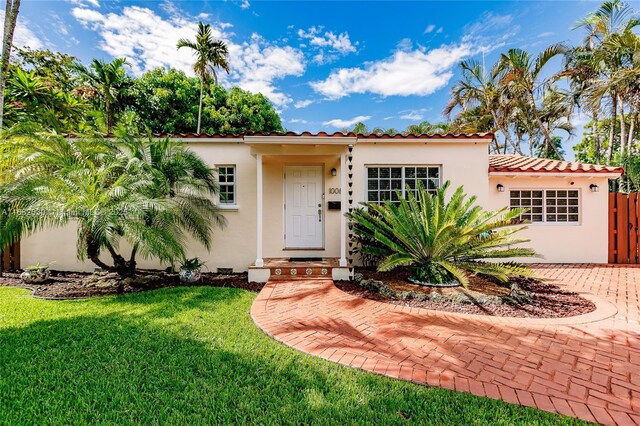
{"points": [[442, 241], [210, 55], [151, 194], [609, 55], [521, 73], [192, 263], [31, 98], [427, 128], [108, 84]]}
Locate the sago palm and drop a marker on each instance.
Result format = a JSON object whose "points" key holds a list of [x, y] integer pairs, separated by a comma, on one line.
{"points": [[210, 54], [442, 241]]}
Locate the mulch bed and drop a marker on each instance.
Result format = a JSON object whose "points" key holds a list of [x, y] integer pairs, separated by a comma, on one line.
{"points": [[547, 300], [69, 285]]}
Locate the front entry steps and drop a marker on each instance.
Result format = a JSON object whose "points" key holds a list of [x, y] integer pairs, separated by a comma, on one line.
{"points": [[282, 269]]}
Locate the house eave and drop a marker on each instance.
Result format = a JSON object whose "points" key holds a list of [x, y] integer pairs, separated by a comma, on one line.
{"points": [[610, 175]]}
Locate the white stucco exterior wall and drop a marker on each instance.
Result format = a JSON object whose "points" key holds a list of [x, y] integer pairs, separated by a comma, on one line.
{"points": [[463, 162], [583, 242]]}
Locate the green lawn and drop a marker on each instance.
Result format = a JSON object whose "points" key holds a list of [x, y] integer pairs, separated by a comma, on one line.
{"points": [[193, 356]]}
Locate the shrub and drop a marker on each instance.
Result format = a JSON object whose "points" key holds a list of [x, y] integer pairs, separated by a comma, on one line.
{"points": [[443, 241]]}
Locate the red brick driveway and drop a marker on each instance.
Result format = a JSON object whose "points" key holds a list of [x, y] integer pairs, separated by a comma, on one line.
{"points": [[587, 367]]}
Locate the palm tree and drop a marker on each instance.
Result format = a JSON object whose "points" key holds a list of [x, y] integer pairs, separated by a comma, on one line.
{"points": [[583, 72], [521, 72], [210, 55], [441, 239], [479, 90], [612, 17], [425, 127], [153, 195], [108, 80]]}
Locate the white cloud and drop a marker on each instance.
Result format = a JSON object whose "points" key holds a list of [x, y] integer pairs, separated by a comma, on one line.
{"points": [[328, 45], [413, 72], [23, 36], [245, 4], [84, 3], [429, 29], [298, 121], [340, 123], [148, 41], [546, 34], [303, 103], [412, 115]]}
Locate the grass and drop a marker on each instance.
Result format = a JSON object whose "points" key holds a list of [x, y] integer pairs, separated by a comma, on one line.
{"points": [[193, 356]]}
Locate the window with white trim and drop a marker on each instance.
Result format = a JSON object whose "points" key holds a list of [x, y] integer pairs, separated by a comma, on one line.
{"points": [[384, 182], [548, 205], [227, 182]]}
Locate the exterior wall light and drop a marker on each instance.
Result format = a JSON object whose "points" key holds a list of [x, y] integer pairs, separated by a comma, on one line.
{"points": [[334, 172], [500, 187], [594, 188]]}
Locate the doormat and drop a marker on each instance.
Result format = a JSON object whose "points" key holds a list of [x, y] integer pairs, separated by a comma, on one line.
{"points": [[305, 259]]}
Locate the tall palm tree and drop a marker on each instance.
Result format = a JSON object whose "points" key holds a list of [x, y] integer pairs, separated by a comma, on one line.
{"points": [[109, 81], [521, 73], [210, 55], [479, 89], [582, 73], [612, 17]]}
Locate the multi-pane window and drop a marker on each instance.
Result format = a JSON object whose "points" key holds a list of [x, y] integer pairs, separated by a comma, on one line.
{"points": [[383, 183], [227, 181], [550, 205]]}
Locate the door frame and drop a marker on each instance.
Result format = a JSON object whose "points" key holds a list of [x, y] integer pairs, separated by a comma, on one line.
{"points": [[284, 203]]}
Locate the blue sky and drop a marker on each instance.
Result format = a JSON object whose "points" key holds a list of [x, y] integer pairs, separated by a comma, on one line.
{"points": [[324, 65]]}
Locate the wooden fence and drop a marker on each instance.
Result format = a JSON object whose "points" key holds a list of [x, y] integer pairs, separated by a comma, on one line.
{"points": [[11, 257], [623, 228]]}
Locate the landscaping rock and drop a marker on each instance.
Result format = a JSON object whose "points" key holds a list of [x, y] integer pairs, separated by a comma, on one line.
{"points": [[378, 287]]}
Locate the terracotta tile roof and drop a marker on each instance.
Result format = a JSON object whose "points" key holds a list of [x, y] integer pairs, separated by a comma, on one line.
{"points": [[521, 164], [488, 136]]}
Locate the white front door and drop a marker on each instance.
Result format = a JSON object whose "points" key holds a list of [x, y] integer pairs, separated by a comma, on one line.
{"points": [[303, 207]]}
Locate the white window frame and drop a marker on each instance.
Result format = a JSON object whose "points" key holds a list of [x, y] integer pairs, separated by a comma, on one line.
{"points": [[403, 168], [221, 203], [544, 221]]}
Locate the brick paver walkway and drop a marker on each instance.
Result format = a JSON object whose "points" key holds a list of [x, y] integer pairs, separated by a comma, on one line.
{"points": [[587, 370]]}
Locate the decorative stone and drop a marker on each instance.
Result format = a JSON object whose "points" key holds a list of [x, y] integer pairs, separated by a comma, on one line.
{"points": [[294, 271], [278, 271], [309, 271], [324, 271]]}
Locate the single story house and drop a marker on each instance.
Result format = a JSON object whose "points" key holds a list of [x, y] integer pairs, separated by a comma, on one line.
{"points": [[286, 195]]}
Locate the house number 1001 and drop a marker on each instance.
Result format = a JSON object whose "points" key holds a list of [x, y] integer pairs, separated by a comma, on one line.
{"points": [[334, 190]]}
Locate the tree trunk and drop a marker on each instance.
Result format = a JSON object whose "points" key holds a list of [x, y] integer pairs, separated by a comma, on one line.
{"points": [[93, 253], [623, 127], [632, 129], [200, 105], [547, 138], [612, 127], [10, 18], [596, 136], [107, 113], [507, 136], [1, 262]]}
